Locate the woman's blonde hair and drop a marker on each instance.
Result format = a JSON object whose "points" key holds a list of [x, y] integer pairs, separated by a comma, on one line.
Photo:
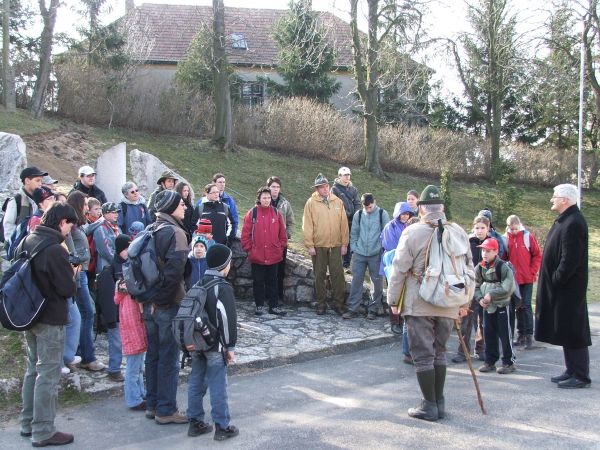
{"points": [[513, 220]]}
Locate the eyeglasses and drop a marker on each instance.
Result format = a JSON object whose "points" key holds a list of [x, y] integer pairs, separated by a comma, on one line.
{"points": [[134, 191], [91, 175], [213, 192]]}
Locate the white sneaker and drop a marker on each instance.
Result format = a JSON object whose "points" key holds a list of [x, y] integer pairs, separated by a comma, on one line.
{"points": [[65, 370], [76, 360]]}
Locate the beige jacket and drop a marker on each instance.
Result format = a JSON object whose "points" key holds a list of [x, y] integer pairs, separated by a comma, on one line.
{"points": [[324, 225], [410, 260]]}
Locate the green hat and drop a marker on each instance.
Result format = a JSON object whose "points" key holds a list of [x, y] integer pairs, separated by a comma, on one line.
{"points": [[431, 196], [166, 175], [320, 180]]}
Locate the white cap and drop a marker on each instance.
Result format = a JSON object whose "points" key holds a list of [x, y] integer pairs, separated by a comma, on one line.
{"points": [[86, 170], [344, 170]]}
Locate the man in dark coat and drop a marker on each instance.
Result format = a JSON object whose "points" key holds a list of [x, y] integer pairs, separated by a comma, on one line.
{"points": [[561, 313], [87, 184]]}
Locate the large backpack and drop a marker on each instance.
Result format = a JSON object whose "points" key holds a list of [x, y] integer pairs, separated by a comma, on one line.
{"points": [[142, 271], [191, 325], [448, 280], [516, 295], [21, 302]]}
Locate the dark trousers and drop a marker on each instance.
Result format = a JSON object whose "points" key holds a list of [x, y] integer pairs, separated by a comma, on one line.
{"points": [[496, 326], [264, 284], [281, 274], [577, 361], [347, 258], [525, 314]]}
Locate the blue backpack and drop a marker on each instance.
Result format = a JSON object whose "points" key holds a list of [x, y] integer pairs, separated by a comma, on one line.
{"points": [[21, 302]]}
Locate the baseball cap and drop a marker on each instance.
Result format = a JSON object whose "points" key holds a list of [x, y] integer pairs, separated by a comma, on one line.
{"points": [[344, 170], [32, 172], [489, 244], [86, 170], [109, 207], [49, 180]]}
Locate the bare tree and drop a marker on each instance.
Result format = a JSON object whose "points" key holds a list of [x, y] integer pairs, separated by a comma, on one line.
{"points": [[8, 75], [221, 91], [36, 106]]}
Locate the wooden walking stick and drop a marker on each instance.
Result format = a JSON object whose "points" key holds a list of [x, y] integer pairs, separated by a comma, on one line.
{"points": [[470, 364]]}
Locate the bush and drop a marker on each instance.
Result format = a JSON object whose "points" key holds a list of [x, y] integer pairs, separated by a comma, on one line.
{"points": [[446, 191]]}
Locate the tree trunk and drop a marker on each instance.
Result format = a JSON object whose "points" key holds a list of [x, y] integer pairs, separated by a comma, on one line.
{"points": [[36, 106], [221, 90], [8, 76]]}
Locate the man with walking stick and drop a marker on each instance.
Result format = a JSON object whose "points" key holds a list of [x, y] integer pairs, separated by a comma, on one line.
{"points": [[429, 326]]}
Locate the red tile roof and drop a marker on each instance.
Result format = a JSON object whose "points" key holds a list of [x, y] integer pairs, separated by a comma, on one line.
{"points": [[172, 28]]}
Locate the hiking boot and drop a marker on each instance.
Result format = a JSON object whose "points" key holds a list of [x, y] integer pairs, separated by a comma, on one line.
{"points": [[259, 311], [117, 377], [225, 433], [339, 310], [562, 377], [427, 411], [176, 417], [140, 407], [371, 315], [150, 414], [520, 341], [528, 344], [506, 368], [350, 315], [94, 366], [459, 358], [321, 310], [198, 428], [278, 311], [487, 368], [57, 438]]}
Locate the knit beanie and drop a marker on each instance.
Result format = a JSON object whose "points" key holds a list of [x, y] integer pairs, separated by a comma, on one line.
{"points": [[167, 201], [320, 180], [200, 239], [218, 256], [204, 226], [122, 242], [41, 194], [431, 196]]}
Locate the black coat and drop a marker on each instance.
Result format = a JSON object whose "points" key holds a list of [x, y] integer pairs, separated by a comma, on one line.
{"points": [[561, 313]]}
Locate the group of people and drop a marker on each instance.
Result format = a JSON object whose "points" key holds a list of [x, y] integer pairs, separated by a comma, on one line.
{"points": [[91, 236]]}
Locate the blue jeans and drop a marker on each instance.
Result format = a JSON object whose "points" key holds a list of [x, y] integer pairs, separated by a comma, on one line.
{"points": [[134, 380], [86, 309], [208, 372], [405, 348], [162, 361], [359, 268], [72, 332], [115, 352]]}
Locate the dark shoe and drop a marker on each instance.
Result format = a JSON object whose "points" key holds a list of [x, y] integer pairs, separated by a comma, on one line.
{"points": [[480, 356], [562, 377], [26, 433], [117, 377], [150, 414], [57, 438], [371, 315], [229, 432], [259, 311], [427, 411], [176, 417], [140, 407], [339, 310], [573, 383], [321, 310], [397, 329], [528, 343], [350, 315], [520, 341], [459, 359], [441, 404], [277, 311], [197, 428], [506, 368], [408, 360], [487, 368]]}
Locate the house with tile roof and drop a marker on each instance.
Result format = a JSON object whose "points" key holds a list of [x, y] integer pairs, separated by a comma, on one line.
{"points": [[251, 48]]}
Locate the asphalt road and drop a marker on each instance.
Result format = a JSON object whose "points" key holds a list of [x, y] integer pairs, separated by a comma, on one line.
{"points": [[359, 400]]}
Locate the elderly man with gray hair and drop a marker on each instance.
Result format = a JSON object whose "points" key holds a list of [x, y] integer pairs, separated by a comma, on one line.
{"points": [[133, 207], [561, 313]]}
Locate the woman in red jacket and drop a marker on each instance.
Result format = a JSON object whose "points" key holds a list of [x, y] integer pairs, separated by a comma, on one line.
{"points": [[264, 238], [525, 255]]}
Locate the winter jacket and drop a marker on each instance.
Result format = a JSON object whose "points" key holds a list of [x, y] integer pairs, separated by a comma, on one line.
{"points": [[11, 220], [409, 263], [265, 239], [366, 231], [52, 273], [348, 195], [131, 325], [390, 236], [105, 297], [171, 242], [133, 212], [475, 242], [220, 217], [92, 191], [487, 283], [78, 245], [198, 267], [285, 208], [220, 307], [502, 246], [526, 261], [34, 220], [561, 315], [104, 241], [188, 219], [233, 213], [324, 223]]}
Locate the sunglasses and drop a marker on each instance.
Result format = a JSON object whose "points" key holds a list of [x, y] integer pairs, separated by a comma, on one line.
{"points": [[134, 191]]}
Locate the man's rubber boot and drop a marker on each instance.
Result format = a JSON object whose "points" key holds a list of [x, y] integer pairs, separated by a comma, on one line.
{"points": [[440, 380], [428, 409]]}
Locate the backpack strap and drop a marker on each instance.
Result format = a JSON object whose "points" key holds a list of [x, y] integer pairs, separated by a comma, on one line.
{"points": [[499, 263]]}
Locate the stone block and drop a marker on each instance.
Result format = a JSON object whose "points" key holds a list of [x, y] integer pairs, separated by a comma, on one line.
{"points": [[146, 169], [13, 159], [111, 172]]}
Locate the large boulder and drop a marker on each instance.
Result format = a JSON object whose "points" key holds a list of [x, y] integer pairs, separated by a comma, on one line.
{"points": [[146, 169], [13, 159], [111, 171]]}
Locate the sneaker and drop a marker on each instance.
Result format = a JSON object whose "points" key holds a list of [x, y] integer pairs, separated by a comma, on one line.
{"points": [[278, 311], [94, 366], [139, 407], [76, 360], [459, 359], [64, 370], [198, 428], [117, 377], [506, 368], [350, 315], [176, 417], [57, 438], [487, 368], [259, 311], [150, 414], [225, 433], [371, 316]]}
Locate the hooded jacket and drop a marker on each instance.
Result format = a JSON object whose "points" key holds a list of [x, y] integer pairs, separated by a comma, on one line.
{"points": [[265, 239], [220, 217], [324, 224], [92, 191], [220, 307], [348, 195], [285, 208], [526, 261], [365, 238], [486, 283]]}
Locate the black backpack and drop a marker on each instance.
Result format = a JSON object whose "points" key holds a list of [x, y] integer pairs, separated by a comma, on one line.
{"points": [[17, 198], [191, 325], [21, 302]]}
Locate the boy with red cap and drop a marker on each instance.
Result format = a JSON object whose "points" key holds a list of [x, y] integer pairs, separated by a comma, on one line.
{"points": [[495, 285]]}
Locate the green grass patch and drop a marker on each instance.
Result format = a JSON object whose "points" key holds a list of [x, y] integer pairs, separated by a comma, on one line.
{"points": [[12, 354], [72, 397], [20, 122]]}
